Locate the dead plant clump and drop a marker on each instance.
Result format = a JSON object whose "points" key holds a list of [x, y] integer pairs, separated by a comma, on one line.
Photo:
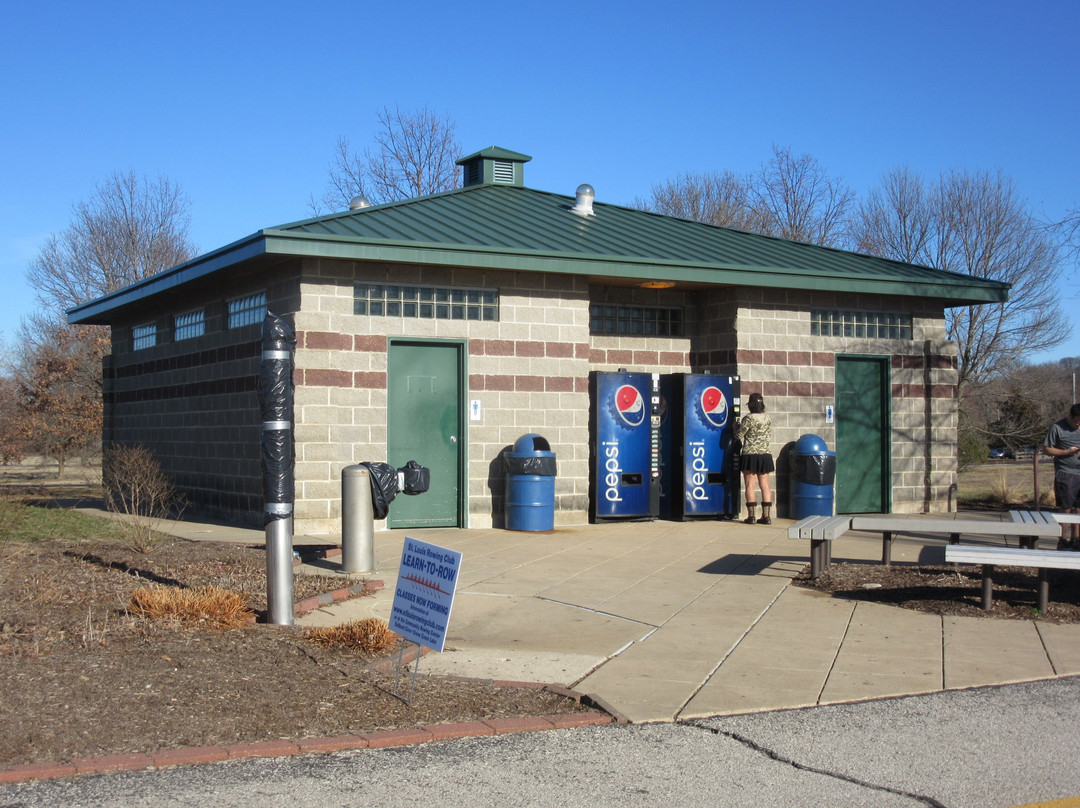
{"points": [[369, 635], [1007, 492], [203, 605]]}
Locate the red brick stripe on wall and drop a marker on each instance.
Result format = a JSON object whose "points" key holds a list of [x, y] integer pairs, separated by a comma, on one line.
{"points": [[370, 379], [373, 343], [315, 377], [327, 341]]}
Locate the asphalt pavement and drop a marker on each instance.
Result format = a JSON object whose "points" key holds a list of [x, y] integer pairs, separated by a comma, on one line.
{"points": [[983, 748]]}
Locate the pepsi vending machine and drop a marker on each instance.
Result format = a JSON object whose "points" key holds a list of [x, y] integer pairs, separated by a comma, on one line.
{"points": [[625, 451], [699, 464]]}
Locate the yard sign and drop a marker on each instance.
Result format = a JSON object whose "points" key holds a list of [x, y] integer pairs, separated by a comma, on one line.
{"points": [[427, 581]]}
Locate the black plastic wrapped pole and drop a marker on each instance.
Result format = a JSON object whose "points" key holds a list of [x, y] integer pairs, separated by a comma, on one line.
{"points": [[276, 444]]}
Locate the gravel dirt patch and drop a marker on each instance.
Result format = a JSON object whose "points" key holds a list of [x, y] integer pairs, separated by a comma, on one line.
{"points": [[951, 590], [80, 675]]}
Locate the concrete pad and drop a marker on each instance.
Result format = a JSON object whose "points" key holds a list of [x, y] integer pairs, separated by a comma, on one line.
{"points": [[645, 698], [518, 666], [644, 605], [891, 640], [1062, 644], [983, 651], [854, 686], [512, 624], [729, 700]]}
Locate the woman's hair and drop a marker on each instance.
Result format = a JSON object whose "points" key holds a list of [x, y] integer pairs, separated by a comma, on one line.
{"points": [[756, 403]]}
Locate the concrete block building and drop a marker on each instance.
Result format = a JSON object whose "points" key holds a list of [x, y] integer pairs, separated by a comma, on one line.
{"points": [[443, 328]]}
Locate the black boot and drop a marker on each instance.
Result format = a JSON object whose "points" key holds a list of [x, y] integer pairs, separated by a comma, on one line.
{"points": [[750, 508], [765, 508]]}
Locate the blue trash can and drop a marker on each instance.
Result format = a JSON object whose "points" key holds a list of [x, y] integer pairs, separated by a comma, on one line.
{"points": [[810, 484], [530, 485]]}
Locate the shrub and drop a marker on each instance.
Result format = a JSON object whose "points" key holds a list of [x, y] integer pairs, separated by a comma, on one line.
{"points": [[971, 448], [135, 486]]}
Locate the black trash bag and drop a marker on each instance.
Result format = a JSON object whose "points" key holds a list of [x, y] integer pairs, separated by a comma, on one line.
{"points": [[384, 487], [415, 478], [814, 469], [536, 466], [276, 446]]}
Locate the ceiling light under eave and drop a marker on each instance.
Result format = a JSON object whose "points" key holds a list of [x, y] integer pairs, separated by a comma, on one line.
{"points": [[657, 284]]}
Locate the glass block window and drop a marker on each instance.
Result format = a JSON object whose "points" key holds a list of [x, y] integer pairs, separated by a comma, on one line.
{"points": [[646, 321], [860, 324], [189, 325], [425, 302], [247, 310], [144, 336]]}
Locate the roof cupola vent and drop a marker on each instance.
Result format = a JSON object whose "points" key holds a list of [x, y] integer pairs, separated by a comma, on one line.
{"points": [[359, 202], [493, 166], [583, 203]]}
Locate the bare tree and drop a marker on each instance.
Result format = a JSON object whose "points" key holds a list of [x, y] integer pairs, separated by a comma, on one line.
{"points": [[795, 198], [415, 155], [974, 224], [896, 219], [128, 230], [1069, 229], [714, 198]]}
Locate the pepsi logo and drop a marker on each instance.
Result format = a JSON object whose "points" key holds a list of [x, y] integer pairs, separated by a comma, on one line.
{"points": [[630, 405], [714, 406]]}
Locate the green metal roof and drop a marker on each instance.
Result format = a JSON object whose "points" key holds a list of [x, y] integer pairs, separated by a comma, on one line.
{"points": [[511, 227]]}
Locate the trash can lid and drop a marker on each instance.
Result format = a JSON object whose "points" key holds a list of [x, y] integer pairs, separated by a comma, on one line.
{"points": [[810, 444], [532, 444]]}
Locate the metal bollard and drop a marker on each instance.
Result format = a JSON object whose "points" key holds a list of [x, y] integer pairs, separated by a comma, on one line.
{"points": [[357, 521], [279, 572]]}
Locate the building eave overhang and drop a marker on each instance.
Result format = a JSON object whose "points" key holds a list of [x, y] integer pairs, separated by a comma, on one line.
{"points": [[957, 290], [953, 290]]}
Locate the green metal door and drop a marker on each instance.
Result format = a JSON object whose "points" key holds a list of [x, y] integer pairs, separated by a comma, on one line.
{"points": [[423, 423], [862, 435]]}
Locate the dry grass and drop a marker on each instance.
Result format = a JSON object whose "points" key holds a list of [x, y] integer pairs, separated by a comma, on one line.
{"points": [[1009, 492], [368, 635], [204, 605], [999, 484]]}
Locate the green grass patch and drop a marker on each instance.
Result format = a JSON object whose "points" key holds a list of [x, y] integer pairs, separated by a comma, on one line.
{"points": [[20, 522]]}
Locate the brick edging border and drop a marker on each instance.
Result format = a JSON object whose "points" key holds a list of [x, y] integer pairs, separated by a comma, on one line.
{"points": [[302, 607], [168, 758]]}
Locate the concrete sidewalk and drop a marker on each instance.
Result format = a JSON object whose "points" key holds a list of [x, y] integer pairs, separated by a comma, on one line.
{"points": [[677, 620], [668, 620]]}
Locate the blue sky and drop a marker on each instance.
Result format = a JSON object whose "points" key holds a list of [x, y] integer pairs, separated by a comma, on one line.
{"points": [[241, 104]]}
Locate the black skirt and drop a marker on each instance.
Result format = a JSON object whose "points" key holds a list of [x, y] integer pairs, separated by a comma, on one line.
{"points": [[757, 463]]}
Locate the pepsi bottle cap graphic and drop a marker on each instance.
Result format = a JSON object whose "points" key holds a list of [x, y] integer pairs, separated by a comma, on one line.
{"points": [[714, 408], [630, 405]]}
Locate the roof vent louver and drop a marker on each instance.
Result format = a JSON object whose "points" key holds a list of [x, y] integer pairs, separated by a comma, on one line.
{"points": [[473, 174], [503, 172], [583, 203]]}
